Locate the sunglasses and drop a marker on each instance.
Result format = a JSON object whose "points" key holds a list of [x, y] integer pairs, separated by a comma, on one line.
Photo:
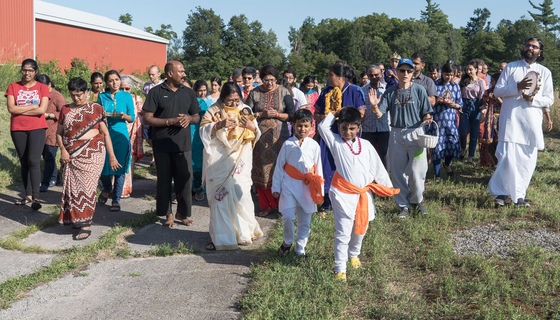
{"points": [[406, 70]]}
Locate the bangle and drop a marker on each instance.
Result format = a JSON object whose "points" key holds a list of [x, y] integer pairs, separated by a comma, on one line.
{"points": [[167, 122]]}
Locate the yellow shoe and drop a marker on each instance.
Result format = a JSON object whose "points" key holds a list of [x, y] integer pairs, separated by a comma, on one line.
{"points": [[341, 276], [355, 262]]}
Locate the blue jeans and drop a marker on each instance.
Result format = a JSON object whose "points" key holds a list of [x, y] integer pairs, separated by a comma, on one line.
{"points": [[50, 172], [469, 123], [117, 188]]}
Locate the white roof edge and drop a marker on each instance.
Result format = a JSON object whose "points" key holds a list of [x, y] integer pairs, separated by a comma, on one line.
{"points": [[54, 13]]}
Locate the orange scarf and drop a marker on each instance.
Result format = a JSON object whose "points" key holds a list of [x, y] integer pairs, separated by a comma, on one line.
{"points": [[361, 219], [314, 181]]}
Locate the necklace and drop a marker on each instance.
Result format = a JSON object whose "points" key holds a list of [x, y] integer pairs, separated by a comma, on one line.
{"points": [[359, 147], [403, 97]]}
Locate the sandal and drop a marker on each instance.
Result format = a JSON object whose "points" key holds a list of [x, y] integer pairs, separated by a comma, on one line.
{"points": [[82, 234], [211, 247], [36, 205], [23, 201], [284, 249], [186, 221], [264, 212], [103, 198], [115, 206]]}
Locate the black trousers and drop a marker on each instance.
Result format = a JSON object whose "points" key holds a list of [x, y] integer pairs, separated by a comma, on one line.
{"points": [[29, 147], [380, 141], [174, 167]]}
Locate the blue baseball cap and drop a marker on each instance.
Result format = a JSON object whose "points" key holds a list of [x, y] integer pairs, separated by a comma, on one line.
{"points": [[406, 61]]}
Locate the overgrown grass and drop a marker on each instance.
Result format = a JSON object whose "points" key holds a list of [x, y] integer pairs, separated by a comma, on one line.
{"points": [[410, 269]]}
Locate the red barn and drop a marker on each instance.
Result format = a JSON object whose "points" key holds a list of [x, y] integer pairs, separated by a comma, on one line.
{"points": [[34, 28]]}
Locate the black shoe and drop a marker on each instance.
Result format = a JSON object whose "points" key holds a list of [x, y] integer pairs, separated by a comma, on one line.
{"points": [[44, 188], [522, 203], [420, 208], [404, 212], [500, 201]]}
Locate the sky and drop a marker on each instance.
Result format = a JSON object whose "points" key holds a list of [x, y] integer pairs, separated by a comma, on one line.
{"points": [[279, 15]]}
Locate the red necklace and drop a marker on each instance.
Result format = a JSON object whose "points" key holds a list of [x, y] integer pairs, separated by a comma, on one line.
{"points": [[359, 147]]}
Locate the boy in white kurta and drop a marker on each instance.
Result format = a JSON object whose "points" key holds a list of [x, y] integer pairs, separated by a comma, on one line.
{"points": [[299, 158], [357, 167]]}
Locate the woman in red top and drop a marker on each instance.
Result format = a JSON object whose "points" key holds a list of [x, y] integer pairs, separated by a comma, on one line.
{"points": [[27, 103]]}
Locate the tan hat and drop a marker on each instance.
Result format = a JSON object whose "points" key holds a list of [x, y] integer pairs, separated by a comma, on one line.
{"points": [[396, 56]]}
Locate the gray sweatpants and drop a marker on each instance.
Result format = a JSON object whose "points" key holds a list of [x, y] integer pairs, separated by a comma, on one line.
{"points": [[408, 166]]}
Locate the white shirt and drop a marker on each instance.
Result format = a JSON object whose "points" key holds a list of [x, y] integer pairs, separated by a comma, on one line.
{"points": [[299, 98], [359, 170], [520, 120], [294, 192]]}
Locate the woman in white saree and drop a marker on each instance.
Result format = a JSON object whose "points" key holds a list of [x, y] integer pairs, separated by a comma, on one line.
{"points": [[228, 131]]}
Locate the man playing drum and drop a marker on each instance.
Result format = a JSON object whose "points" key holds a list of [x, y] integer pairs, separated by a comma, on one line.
{"points": [[520, 134]]}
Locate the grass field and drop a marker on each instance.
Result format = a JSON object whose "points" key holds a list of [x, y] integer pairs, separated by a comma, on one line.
{"points": [[410, 269]]}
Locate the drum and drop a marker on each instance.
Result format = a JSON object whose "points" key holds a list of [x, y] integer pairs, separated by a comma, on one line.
{"points": [[535, 78]]}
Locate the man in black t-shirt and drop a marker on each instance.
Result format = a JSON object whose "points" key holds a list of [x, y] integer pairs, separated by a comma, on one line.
{"points": [[169, 109]]}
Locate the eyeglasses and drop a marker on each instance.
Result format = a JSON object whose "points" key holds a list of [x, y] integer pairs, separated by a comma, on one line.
{"points": [[531, 46], [247, 78], [77, 95], [269, 80], [406, 70], [229, 102], [290, 78], [27, 70], [374, 75]]}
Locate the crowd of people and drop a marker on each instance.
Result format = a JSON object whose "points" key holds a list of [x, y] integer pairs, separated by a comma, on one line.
{"points": [[298, 148]]}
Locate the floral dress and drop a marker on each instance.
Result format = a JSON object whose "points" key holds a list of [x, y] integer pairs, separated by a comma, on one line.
{"points": [[445, 117]]}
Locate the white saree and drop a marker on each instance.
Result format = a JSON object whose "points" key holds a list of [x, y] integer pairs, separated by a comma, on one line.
{"points": [[227, 173]]}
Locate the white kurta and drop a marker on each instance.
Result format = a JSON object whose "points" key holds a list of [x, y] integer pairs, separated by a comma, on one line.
{"points": [[232, 219], [520, 133], [294, 193], [520, 120], [360, 170]]}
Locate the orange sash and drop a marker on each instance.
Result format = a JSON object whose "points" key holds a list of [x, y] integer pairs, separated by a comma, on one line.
{"points": [[361, 219], [314, 181]]}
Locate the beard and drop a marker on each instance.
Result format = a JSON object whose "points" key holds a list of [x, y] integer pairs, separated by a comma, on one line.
{"points": [[529, 56]]}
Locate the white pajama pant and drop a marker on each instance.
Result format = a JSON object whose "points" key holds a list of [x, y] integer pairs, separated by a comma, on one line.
{"points": [[303, 228], [347, 244], [409, 166], [516, 164]]}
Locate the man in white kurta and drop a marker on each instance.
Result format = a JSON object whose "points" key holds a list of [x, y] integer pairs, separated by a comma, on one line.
{"points": [[295, 198], [360, 170], [227, 172], [520, 125]]}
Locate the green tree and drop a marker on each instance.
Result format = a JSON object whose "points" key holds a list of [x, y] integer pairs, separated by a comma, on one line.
{"points": [[126, 19], [479, 22], [174, 47], [546, 17], [434, 17], [204, 55]]}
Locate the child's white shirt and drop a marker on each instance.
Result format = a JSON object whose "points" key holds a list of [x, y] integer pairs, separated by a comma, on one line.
{"points": [[294, 192]]}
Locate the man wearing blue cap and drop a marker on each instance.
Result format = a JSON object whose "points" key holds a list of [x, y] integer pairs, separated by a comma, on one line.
{"points": [[409, 108]]}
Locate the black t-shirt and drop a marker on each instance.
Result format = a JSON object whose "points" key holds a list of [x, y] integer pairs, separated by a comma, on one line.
{"points": [[167, 104]]}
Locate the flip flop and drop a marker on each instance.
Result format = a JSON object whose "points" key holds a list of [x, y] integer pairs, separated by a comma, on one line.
{"points": [[115, 207], [102, 199], [82, 232], [23, 201]]}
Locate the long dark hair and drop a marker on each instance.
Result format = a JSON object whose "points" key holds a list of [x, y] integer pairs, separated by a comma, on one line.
{"points": [[540, 58], [465, 79]]}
